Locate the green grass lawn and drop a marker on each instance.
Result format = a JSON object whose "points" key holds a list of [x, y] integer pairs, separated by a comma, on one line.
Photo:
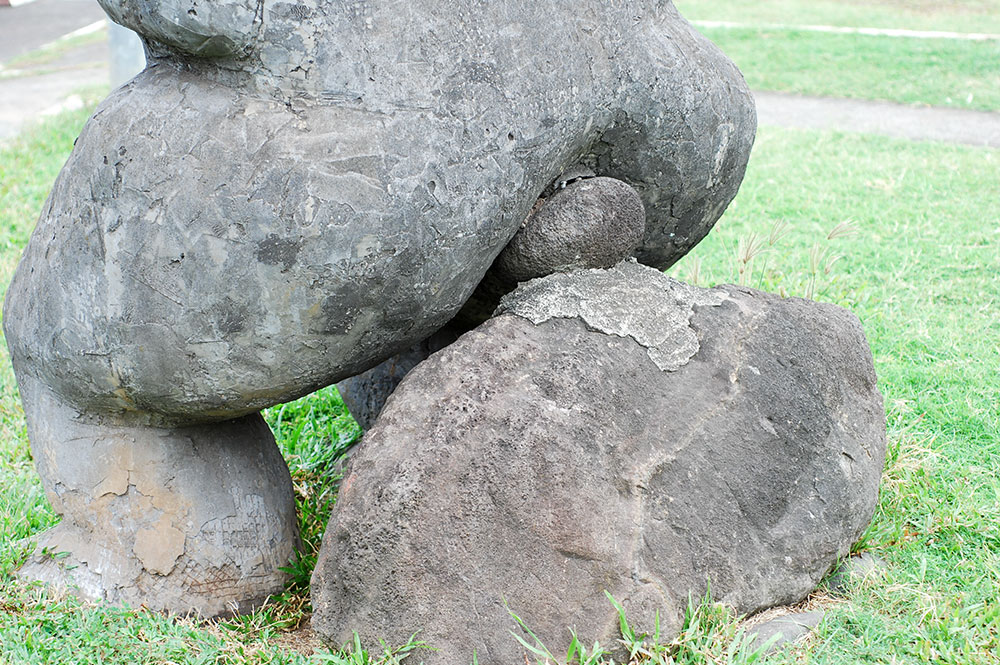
{"points": [[936, 72], [981, 16]]}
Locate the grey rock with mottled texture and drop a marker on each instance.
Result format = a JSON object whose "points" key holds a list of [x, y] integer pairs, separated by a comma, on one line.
{"points": [[364, 395], [591, 223], [582, 222], [608, 430], [777, 633]]}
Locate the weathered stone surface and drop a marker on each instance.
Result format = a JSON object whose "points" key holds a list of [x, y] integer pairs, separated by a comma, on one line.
{"points": [[777, 633], [582, 221], [590, 223], [206, 29], [609, 430], [194, 518], [364, 395], [293, 192]]}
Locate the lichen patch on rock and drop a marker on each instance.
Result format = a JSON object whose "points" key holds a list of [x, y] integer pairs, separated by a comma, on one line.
{"points": [[629, 300]]}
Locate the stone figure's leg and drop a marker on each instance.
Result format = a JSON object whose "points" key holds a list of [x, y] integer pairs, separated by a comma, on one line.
{"points": [[195, 518], [682, 140]]}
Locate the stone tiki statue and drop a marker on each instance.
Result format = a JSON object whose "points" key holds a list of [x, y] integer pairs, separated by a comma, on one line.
{"points": [[289, 194]]}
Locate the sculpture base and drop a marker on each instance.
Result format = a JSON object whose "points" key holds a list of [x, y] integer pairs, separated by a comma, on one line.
{"points": [[189, 519]]}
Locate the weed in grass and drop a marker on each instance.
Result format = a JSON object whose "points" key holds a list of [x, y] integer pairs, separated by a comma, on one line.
{"points": [[748, 247], [358, 655], [694, 272], [576, 654], [822, 259], [778, 231], [710, 633], [277, 614]]}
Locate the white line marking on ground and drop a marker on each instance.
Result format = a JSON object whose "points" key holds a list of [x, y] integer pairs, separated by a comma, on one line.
{"points": [[71, 103], [85, 30], [876, 32], [96, 26]]}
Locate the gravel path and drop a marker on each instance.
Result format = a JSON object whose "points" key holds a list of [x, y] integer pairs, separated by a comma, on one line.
{"points": [[29, 91], [977, 128], [26, 27]]}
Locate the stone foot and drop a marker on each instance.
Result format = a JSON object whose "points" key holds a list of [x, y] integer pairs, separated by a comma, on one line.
{"points": [[186, 519]]}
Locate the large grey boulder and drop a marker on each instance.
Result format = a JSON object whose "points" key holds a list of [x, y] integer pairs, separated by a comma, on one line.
{"points": [[292, 192], [610, 430]]}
